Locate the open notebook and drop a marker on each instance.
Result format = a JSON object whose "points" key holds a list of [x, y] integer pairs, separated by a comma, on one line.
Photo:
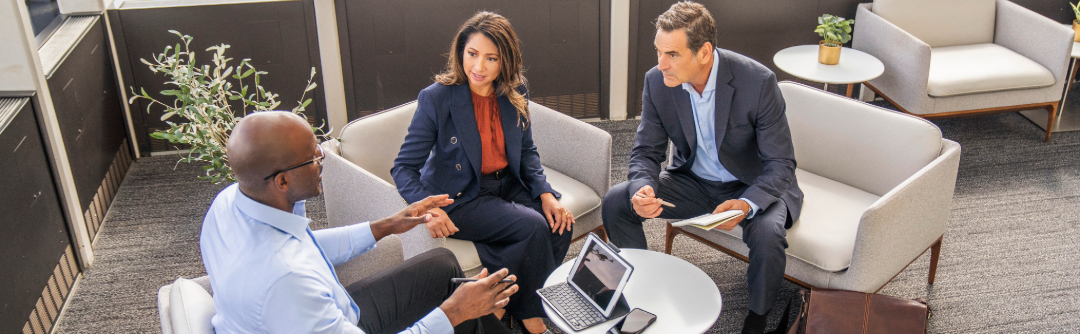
{"points": [[710, 221]]}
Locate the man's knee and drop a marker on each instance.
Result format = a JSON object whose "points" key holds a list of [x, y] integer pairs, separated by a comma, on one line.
{"points": [[616, 200], [766, 234], [440, 260]]}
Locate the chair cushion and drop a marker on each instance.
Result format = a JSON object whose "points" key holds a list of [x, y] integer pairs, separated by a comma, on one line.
{"points": [[190, 307], [824, 235], [942, 23], [981, 68], [372, 142], [576, 197]]}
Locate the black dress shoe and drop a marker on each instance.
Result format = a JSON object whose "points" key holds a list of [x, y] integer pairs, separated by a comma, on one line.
{"points": [[754, 323]]}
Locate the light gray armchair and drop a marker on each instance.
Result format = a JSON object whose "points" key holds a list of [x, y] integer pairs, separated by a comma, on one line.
{"points": [[357, 184], [878, 188], [964, 57]]}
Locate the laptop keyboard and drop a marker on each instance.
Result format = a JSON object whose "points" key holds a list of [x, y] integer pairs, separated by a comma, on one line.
{"points": [[575, 310]]}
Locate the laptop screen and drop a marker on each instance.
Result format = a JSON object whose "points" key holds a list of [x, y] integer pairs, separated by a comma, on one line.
{"points": [[599, 275]]}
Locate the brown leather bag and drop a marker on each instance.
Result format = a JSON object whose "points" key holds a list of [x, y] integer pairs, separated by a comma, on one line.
{"points": [[842, 312]]}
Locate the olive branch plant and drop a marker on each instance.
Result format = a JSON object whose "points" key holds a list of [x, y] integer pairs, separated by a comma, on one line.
{"points": [[202, 99], [1076, 9]]}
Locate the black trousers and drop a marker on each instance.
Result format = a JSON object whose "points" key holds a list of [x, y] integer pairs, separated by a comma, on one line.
{"points": [[395, 299], [509, 230], [694, 196]]}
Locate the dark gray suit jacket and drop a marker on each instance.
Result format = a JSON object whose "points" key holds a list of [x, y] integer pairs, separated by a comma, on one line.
{"points": [[751, 129]]}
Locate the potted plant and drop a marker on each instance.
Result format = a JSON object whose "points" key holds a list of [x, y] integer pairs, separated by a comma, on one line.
{"points": [[1076, 27], [834, 31], [203, 96]]}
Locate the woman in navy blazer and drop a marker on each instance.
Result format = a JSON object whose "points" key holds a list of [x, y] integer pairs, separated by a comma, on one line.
{"points": [[454, 147]]}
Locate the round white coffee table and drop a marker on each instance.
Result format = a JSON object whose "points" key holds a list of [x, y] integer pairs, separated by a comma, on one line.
{"points": [[683, 298], [855, 66]]}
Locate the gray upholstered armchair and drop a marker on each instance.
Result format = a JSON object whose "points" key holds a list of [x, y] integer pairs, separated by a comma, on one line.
{"points": [[878, 188], [357, 184], [964, 57]]}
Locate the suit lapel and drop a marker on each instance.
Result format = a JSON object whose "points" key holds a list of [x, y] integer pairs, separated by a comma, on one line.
{"points": [[465, 120], [686, 115], [722, 98], [511, 134]]}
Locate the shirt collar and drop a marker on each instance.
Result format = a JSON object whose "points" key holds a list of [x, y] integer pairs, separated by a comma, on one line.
{"points": [[711, 84], [286, 221]]}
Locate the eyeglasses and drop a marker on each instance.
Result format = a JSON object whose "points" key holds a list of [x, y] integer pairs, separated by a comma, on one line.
{"points": [[317, 160]]}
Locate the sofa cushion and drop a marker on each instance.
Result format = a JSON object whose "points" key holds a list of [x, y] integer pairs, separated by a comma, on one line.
{"points": [[372, 142], [981, 68], [824, 235], [190, 308], [942, 23]]}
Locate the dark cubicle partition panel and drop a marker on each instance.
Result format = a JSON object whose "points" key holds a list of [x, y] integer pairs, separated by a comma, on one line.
{"points": [[82, 82], [393, 49], [279, 37], [38, 264]]}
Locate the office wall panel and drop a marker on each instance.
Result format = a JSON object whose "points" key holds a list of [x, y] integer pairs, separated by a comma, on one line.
{"points": [[279, 37], [87, 104], [393, 49], [33, 233]]}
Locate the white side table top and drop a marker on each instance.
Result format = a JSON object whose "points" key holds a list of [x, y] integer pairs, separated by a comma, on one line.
{"points": [[1076, 50], [855, 66], [683, 298]]}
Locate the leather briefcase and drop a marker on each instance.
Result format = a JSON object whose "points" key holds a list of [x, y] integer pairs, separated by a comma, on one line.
{"points": [[827, 311]]}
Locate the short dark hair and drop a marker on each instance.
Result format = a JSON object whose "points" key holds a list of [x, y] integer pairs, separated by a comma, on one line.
{"points": [[699, 24]]}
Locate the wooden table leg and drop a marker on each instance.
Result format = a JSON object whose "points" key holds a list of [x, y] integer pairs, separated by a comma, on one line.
{"points": [[849, 86]]}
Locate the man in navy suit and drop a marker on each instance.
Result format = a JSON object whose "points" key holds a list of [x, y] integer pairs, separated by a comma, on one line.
{"points": [[725, 115]]}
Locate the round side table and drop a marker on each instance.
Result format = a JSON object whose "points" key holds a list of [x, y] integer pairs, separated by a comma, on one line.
{"points": [[683, 298], [855, 66]]}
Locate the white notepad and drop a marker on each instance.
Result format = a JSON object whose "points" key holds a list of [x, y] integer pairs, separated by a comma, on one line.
{"points": [[710, 221]]}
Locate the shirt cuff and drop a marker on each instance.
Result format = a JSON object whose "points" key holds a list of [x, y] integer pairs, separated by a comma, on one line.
{"points": [[436, 322], [753, 208], [361, 237]]}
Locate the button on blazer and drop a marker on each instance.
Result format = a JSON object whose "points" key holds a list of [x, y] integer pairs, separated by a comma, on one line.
{"points": [[442, 152]]}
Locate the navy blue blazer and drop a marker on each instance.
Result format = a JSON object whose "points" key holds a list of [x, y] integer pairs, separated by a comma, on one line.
{"points": [[442, 152], [751, 129]]}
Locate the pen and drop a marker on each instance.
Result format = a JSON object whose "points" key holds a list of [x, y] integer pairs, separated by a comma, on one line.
{"points": [[662, 202], [467, 280]]}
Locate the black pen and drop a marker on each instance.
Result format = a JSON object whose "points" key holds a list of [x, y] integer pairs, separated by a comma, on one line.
{"points": [[467, 280]]}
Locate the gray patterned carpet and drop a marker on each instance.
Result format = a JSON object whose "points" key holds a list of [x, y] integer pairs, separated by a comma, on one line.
{"points": [[1009, 262]]}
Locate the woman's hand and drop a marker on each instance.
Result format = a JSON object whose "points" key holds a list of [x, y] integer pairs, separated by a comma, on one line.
{"points": [[557, 216], [440, 226]]}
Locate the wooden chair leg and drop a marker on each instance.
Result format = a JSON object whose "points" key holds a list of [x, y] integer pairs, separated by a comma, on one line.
{"points": [[1052, 111], [935, 250], [669, 238]]}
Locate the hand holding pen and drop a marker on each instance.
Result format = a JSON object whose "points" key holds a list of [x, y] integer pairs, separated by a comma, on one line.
{"points": [[646, 204]]}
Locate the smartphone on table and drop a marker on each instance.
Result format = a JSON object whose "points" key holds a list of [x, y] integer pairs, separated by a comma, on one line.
{"points": [[634, 323]]}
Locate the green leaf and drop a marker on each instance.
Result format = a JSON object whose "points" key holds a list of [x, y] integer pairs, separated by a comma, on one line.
{"points": [[311, 86]]}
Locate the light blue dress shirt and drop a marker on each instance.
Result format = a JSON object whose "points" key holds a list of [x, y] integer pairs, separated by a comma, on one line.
{"points": [[707, 164], [272, 274]]}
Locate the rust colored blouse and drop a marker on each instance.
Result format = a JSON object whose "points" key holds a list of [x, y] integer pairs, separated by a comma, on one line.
{"points": [[492, 141]]}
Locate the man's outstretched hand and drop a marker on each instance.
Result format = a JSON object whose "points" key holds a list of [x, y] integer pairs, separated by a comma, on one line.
{"points": [[406, 219], [476, 299]]}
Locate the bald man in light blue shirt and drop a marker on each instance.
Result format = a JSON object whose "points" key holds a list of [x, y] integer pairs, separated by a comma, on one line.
{"points": [[271, 273]]}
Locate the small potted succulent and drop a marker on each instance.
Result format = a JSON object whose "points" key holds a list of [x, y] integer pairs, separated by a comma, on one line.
{"points": [[834, 31], [1076, 26]]}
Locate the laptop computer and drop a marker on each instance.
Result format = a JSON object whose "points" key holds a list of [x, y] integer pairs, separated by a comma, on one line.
{"points": [[592, 290]]}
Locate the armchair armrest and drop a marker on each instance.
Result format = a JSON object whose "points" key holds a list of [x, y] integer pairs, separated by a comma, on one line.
{"points": [[906, 59], [1036, 37], [354, 195], [904, 222], [572, 147]]}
